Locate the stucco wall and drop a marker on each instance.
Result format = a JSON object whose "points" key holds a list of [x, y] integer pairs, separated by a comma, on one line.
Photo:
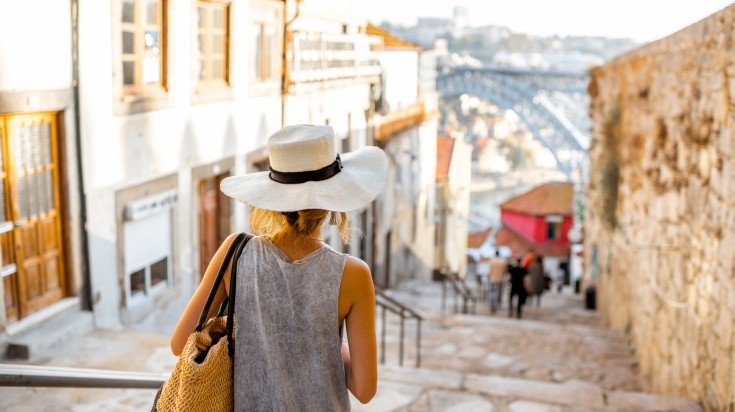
{"points": [[660, 233]]}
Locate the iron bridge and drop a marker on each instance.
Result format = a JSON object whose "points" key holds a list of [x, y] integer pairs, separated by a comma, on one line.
{"points": [[554, 106]]}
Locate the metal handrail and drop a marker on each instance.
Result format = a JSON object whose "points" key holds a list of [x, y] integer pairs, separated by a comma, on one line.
{"points": [[460, 289], [16, 375], [468, 296], [388, 303], [12, 375]]}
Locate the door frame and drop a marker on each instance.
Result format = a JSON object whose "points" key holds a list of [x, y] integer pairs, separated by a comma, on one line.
{"points": [[55, 119], [224, 166]]}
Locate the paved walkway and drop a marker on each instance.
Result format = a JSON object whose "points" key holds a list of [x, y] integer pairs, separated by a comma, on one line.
{"points": [[558, 359]]}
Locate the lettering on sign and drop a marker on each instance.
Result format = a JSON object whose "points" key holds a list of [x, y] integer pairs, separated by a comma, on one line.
{"points": [[151, 205]]}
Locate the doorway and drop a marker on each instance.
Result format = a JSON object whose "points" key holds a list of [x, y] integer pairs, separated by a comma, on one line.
{"points": [[214, 219], [32, 261]]}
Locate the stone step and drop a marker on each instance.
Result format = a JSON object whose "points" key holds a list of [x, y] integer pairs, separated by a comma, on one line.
{"points": [[524, 349], [49, 334], [444, 390]]}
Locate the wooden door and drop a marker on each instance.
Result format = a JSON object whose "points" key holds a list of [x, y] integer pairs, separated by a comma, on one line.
{"points": [[214, 223], [8, 269], [33, 237]]}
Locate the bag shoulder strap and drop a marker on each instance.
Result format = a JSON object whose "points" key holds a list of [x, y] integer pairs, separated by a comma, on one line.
{"points": [[217, 280], [233, 294]]}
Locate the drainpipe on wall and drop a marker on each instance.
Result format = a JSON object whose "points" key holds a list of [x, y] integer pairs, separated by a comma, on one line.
{"points": [[86, 292], [284, 55]]}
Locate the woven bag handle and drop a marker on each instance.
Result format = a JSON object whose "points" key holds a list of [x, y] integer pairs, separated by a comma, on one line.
{"points": [[220, 275]]}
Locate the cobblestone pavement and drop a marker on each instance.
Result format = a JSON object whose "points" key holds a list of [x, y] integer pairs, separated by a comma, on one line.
{"points": [[557, 359]]}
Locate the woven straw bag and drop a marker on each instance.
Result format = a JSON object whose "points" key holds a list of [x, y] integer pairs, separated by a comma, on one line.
{"points": [[202, 378]]}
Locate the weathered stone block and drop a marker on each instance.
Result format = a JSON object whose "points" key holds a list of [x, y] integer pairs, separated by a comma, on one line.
{"points": [[431, 378], [525, 406], [677, 191], [445, 401], [569, 393], [636, 401]]}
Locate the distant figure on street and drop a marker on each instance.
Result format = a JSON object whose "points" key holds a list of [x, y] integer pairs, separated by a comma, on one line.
{"points": [[517, 288], [528, 259], [496, 275], [560, 275], [537, 279]]}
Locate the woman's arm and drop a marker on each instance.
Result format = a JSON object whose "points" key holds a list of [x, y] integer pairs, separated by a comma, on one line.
{"points": [[190, 317], [360, 356]]}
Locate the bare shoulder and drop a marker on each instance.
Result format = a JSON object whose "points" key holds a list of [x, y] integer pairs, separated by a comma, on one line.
{"points": [[357, 276], [220, 254], [356, 268]]}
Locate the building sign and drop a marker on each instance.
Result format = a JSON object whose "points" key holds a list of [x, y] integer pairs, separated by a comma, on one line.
{"points": [[151, 205]]}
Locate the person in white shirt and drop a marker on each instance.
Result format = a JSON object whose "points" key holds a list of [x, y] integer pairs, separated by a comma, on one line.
{"points": [[496, 275]]}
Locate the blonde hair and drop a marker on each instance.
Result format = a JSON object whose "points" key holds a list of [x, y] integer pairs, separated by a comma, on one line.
{"points": [[303, 222]]}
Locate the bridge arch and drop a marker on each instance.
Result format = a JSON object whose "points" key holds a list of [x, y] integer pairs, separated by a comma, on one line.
{"points": [[553, 106]]}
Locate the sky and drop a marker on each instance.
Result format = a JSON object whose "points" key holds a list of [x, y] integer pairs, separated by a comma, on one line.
{"points": [[640, 20]]}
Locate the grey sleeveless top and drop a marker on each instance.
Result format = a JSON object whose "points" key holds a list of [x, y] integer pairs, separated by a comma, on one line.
{"points": [[287, 344]]}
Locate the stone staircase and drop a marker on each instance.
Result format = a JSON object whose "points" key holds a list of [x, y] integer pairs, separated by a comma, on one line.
{"points": [[558, 358]]}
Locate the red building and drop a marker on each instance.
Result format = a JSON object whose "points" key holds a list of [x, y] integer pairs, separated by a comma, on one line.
{"points": [[538, 220]]}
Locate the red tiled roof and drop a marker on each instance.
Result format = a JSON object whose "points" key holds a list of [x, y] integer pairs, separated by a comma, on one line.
{"points": [[548, 199], [390, 41], [444, 148], [520, 245], [475, 240]]}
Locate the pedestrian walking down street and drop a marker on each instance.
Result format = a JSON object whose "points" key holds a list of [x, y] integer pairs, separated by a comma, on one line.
{"points": [[560, 275], [294, 293], [537, 279], [528, 259], [496, 276], [517, 288]]}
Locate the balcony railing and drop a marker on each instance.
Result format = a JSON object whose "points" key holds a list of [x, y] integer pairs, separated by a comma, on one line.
{"points": [[317, 57]]}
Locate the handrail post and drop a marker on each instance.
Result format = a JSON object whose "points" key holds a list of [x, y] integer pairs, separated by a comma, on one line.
{"points": [[456, 301], [400, 350], [418, 342], [444, 293], [382, 339], [465, 309]]}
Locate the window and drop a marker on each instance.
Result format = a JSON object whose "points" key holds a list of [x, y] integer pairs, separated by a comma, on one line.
{"points": [[553, 230], [212, 53], [159, 271], [147, 248], [265, 42], [143, 45], [137, 282]]}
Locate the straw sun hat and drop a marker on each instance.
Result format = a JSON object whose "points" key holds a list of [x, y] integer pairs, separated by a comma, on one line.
{"points": [[307, 173]]}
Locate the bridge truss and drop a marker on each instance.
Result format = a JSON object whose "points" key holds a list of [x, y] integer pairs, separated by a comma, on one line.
{"points": [[553, 105]]}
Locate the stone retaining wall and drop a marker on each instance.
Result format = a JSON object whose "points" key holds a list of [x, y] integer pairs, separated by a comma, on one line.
{"points": [[660, 230]]}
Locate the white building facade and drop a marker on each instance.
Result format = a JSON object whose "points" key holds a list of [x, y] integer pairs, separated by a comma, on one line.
{"points": [[406, 128], [112, 194], [41, 237]]}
